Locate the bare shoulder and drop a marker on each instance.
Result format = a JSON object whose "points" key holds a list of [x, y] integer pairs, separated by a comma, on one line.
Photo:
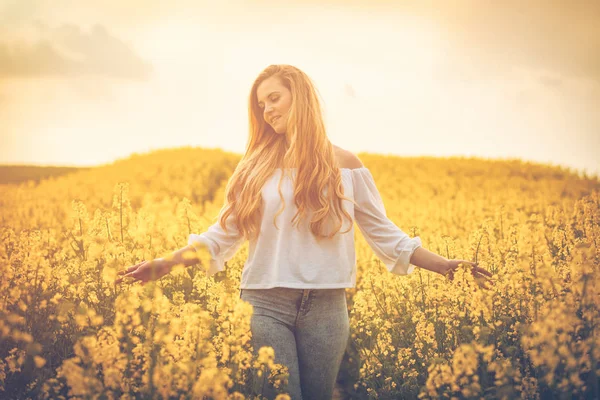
{"points": [[347, 159]]}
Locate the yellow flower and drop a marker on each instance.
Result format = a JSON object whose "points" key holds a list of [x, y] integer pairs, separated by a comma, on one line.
{"points": [[39, 361]]}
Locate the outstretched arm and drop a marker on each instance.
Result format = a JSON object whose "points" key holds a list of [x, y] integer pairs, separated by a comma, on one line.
{"points": [[389, 242], [151, 270], [425, 259]]}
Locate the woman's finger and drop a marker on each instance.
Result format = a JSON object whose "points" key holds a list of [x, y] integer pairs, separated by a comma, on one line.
{"points": [[136, 266], [483, 271], [477, 268], [486, 282], [482, 285], [125, 271], [486, 274], [120, 278], [482, 279], [131, 268], [129, 275]]}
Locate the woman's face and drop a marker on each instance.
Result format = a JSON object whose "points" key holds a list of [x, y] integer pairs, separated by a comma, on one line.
{"points": [[274, 100]]}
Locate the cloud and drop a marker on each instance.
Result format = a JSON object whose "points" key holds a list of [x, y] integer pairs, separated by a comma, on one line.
{"points": [[69, 51]]}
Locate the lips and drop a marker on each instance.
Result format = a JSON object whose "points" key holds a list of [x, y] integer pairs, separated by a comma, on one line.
{"points": [[275, 119]]}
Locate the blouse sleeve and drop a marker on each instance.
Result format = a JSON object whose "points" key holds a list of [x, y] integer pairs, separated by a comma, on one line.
{"points": [[221, 245], [393, 246]]}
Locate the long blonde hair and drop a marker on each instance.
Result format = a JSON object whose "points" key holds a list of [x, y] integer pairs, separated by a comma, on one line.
{"points": [[309, 150]]}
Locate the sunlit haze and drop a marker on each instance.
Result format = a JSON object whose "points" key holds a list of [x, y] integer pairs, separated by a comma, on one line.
{"points": [[86, 83]]}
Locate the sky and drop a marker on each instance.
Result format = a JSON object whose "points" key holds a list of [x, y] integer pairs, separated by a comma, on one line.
{"points": [[87, 83]]}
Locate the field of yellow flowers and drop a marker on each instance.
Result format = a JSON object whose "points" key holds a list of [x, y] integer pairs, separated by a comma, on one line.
{"points": [[67, 331]]}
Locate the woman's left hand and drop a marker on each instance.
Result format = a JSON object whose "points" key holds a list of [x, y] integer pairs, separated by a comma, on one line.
{"points": [[481, 275], [145, 271]]}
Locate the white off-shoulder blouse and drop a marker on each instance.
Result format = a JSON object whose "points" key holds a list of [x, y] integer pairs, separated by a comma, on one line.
{"points": [[292, 257]]}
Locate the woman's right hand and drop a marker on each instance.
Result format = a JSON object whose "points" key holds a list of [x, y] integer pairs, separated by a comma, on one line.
{"points": [[145, 271]]}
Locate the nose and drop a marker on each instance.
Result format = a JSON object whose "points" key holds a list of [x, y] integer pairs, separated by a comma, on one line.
{"points": [[268, 111]]}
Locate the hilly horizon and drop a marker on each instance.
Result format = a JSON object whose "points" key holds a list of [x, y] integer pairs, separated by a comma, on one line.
{"points": [[18, 173]]}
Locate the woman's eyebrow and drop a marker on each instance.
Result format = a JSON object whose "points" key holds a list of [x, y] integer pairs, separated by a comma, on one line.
{"points": [[269, 95]]}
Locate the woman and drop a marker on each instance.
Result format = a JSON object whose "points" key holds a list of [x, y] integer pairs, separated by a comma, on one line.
{"points": [[301, 257]]}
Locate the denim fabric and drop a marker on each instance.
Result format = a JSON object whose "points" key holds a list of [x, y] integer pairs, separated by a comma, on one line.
{"points": [[308, 329]]}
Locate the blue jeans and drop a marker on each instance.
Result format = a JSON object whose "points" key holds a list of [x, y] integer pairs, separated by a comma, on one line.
{"points": [[308, 329]]}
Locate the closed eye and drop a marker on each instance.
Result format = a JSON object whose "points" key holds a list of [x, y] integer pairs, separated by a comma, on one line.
{"points": [[274, 99]]}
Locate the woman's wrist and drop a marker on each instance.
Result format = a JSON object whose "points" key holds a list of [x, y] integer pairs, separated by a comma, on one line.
{"points": [[164, 263], [443, 266]]}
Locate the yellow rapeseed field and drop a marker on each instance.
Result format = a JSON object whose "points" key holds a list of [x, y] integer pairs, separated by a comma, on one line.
{"points": [[68, 331]]}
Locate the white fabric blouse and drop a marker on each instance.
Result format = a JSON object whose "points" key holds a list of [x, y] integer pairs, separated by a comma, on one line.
{"points": [[291, 256]]}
